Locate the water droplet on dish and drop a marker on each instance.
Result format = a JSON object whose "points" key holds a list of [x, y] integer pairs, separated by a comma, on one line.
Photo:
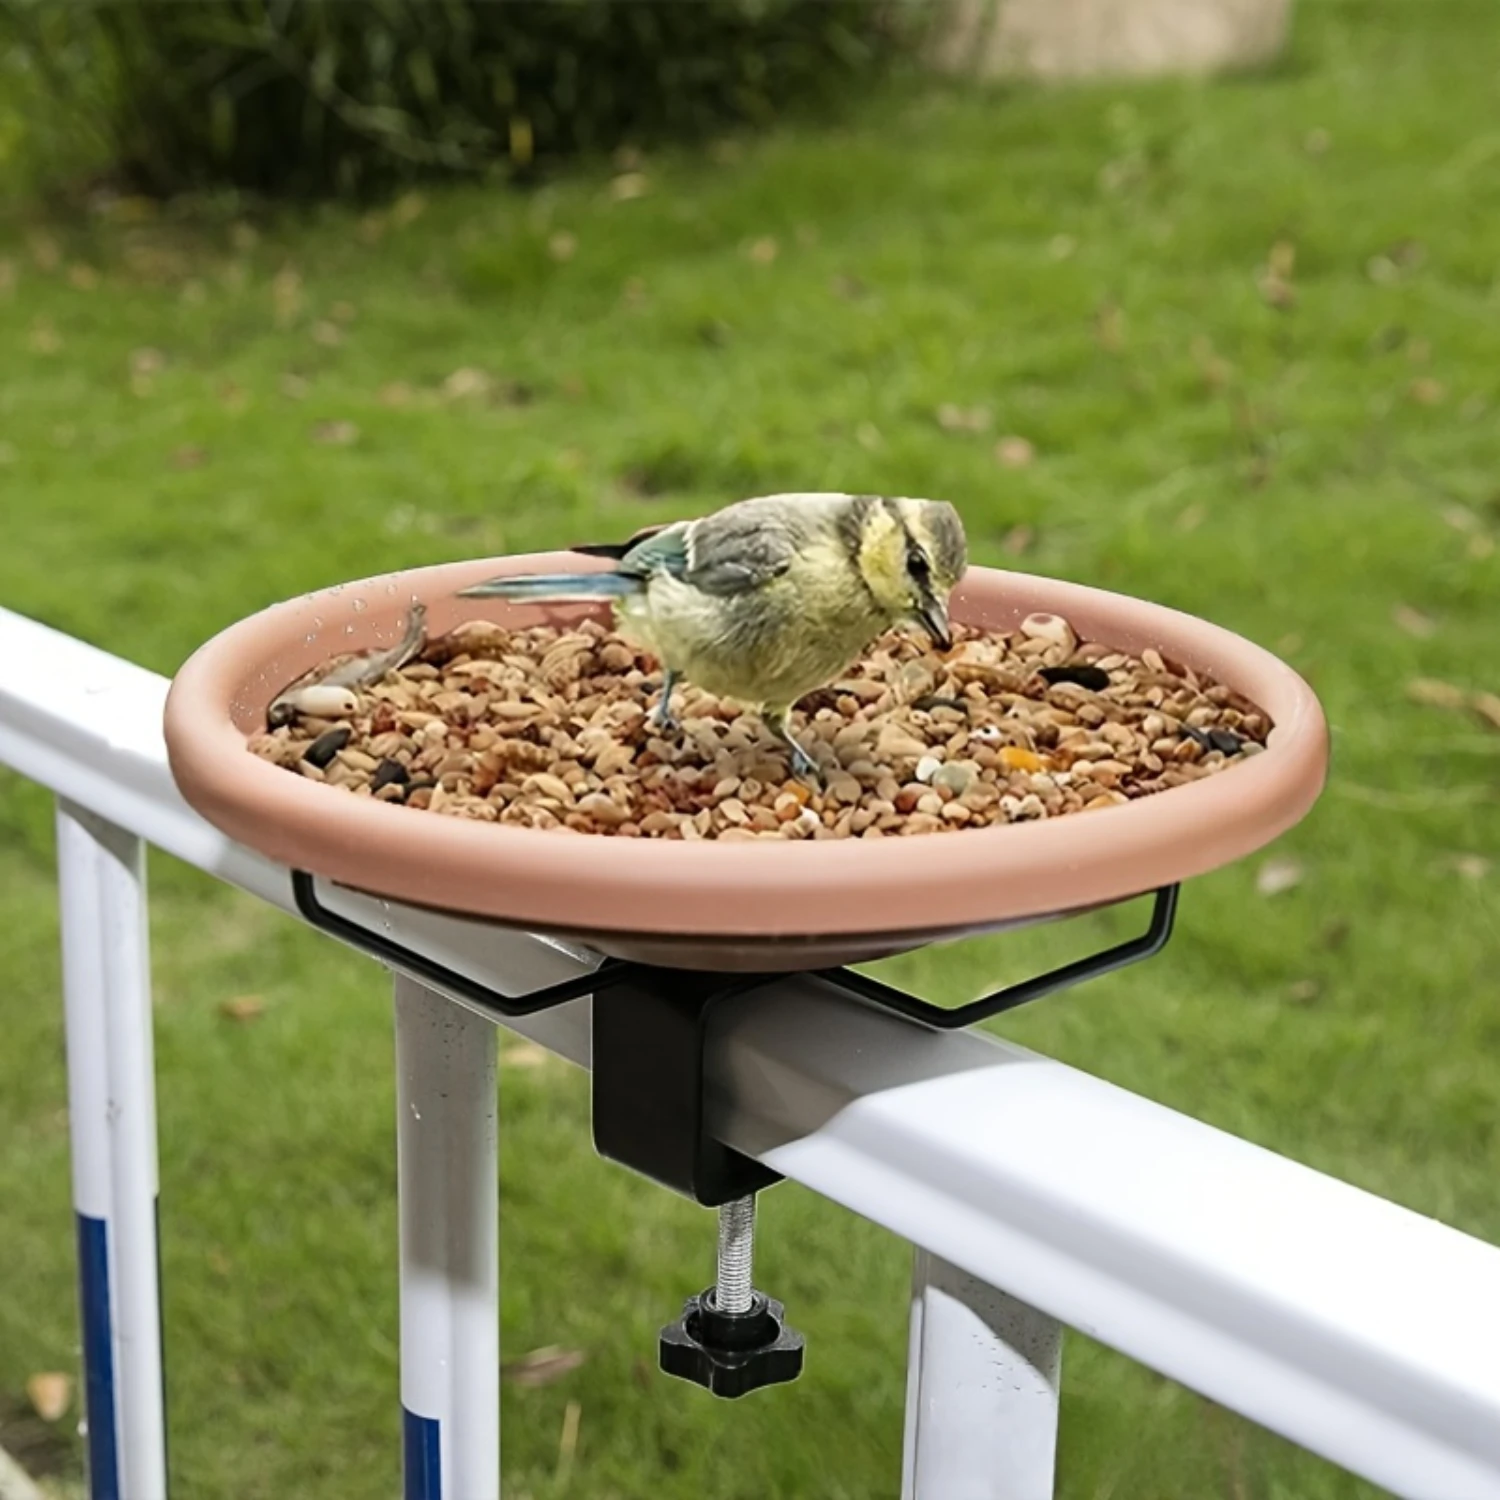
{"points": [[359, 604]]}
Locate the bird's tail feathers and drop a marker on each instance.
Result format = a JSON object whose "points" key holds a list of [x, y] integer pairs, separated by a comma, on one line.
{"points": [[558, 586], [618, 550]]}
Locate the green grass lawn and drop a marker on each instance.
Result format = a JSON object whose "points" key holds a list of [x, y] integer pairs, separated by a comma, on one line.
{"points": [[1249, 330]]}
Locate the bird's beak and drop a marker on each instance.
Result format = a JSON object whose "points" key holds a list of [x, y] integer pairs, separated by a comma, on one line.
{"points": [[932, 616]]}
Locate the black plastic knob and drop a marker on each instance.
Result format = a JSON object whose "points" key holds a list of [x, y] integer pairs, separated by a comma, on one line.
{"points": [[732, 1354]]}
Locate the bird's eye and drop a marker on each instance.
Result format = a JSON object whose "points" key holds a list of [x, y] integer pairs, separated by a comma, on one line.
{"points": [[917, 565]]}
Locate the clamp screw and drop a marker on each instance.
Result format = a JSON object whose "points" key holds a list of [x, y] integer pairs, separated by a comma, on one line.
{"points": [[732, 1339]]}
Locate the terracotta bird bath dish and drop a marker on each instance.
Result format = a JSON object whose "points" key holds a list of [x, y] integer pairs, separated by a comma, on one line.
{"points": [[1069, 749], [749, 904]]}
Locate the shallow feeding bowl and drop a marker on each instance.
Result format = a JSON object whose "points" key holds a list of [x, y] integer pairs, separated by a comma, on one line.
{"points": [[759, 906]]}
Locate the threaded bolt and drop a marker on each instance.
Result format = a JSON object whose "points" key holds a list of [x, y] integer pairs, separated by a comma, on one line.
{"points": [[732, 1286]]}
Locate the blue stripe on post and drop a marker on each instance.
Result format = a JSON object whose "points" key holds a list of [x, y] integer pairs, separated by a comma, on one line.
{"points": [[98, 1357], [161, 1334], [421, 1459]]}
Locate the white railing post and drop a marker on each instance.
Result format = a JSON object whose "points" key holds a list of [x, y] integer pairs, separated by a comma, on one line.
{"points": [[112, 1117], [981, 1391], [447, 1172]]}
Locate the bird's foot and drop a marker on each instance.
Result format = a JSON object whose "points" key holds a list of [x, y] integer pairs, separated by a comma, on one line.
{"points": [[804, 767], [661, 718]]}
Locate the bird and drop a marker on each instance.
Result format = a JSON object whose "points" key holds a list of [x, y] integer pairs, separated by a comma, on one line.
{"points": [[769, 598]]}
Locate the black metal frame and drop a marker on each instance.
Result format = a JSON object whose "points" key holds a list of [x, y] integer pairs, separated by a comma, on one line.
{"points": [[1148, 945], [649, 1038], [440, 976]]}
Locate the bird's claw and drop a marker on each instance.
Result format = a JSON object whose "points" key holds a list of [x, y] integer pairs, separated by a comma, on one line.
{"points": [[804, 767], [661, 718]]}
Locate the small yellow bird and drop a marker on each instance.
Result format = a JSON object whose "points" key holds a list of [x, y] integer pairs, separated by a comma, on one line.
{"points": [[769, 598]]}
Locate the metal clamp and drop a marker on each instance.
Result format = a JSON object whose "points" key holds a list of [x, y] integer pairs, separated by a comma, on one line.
{"points": [[650, 1044]]}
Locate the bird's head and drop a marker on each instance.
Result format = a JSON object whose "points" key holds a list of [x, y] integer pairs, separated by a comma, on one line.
{"points": [[911, 553]]}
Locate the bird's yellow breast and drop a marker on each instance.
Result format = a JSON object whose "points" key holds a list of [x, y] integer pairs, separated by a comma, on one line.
{"points": [[769, 645]]}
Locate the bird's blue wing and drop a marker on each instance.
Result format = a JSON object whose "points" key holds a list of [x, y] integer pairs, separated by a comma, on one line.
{"points": [[735, 551]]}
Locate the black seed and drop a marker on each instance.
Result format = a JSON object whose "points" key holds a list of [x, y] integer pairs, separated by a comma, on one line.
{"points": [[1226, 740], [389, 773], [325, 747], [1197, 736], [926, 705], [1095, 679]]}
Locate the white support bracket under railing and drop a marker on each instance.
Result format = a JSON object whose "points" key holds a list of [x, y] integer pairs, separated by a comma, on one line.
{"points": [[1354, 1327]]}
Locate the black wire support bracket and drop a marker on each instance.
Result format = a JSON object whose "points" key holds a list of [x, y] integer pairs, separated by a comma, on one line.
{"points": [[956, 1018], [650, 1040], [610, 973], [615, 972]]}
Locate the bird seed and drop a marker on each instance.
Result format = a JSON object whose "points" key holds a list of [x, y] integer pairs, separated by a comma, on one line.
{"points": [[547, 728]]}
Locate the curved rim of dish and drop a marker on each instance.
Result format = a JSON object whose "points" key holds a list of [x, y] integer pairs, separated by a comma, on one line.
{"points": [[931, 883]]}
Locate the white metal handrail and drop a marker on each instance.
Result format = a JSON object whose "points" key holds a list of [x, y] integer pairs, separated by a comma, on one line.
{"points": [[1354, 1327]]}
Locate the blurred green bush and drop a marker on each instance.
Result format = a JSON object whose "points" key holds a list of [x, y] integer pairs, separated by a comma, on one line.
{"points": [[316, 97]]}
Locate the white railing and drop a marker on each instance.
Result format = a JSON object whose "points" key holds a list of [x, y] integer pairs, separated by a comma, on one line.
{"points": [[1356, 1328]]}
